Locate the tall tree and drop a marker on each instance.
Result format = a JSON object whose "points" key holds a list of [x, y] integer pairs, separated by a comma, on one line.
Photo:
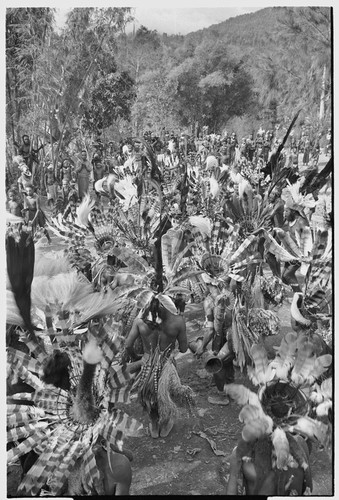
{"points": [[27, 31], [310, 29]]}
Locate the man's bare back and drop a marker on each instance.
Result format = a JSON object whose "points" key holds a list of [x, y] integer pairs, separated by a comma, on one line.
{"points": [[171, 329]]}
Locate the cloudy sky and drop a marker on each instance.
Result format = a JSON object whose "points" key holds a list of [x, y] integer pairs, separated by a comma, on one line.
{"points": [[173, 18]]}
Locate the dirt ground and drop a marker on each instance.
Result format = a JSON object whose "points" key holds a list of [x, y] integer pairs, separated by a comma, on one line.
{"points": [[194, 458]]}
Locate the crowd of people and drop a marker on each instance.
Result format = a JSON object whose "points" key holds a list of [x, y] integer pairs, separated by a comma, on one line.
{"points": [[66, 181], [215, 210]]}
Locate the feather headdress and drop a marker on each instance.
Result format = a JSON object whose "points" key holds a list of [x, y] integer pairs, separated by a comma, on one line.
{"points": [[294, 199], [63, 424], [288, 401]]}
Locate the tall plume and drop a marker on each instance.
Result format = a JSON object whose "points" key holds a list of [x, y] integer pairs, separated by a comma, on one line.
{"points": [[84, 409]]}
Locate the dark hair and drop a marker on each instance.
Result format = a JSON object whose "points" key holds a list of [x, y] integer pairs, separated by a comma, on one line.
{"points": [[179, 302], [56, 370]]}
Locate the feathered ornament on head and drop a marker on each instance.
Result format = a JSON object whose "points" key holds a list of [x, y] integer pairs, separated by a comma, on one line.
{"points": [[63, 423], [294, 200], [287, 402]]}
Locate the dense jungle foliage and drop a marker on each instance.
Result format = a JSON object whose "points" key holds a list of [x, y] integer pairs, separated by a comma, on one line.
{"points": [[96, 76]]}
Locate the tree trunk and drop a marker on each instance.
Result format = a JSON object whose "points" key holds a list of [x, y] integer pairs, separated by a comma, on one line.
{"points": [[322, 96]]}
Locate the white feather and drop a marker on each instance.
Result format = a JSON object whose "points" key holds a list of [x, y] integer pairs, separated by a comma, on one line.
{"points": [[242, 395], [311, 428], [281, 447], [128, 190], [202, 223], [214, 187], [92, 353], [323, 408], [84, 210]]}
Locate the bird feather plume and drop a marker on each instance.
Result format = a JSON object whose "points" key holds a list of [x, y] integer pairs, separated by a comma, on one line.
{"points": [[295, 311], [316, 396], [321, 364], [97, 304], [326, 388], [127, 190], [249, 412], [133, 261], [323, 408], [63, 288], [242, 395], [259, 356], [254, 429], [284, 358], [214, 187], [304, 240], [13, 315], [202, 223], [170, 245], [167, 302], [288, 242], [92, 353], [303, 364], [281, 254], [281, 447], [51, 264], [83, 210], [314, 429]]}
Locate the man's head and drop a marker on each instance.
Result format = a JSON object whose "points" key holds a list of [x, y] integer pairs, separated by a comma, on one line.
{"points": [[25, 170], [65, 185], [29, 190], [84, 154], [179, 303], [25, 139], [11, 194]]}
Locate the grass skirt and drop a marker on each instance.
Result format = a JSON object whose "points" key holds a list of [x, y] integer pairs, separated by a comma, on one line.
{"points": [[159, 387]]}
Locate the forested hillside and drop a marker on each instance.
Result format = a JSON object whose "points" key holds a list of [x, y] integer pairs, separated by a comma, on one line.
{"points": [[249, 70], [255, 67]]}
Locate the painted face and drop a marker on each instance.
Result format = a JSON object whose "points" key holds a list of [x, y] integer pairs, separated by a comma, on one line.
{"points": [[29, 191], [84, 155]]}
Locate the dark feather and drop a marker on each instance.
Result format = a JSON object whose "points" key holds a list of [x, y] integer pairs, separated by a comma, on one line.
{"points": [[20, 266], [315, 180], [273, 163]]}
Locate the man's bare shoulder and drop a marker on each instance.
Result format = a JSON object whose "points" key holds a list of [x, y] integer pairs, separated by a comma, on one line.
{"points": [[144, 326]]}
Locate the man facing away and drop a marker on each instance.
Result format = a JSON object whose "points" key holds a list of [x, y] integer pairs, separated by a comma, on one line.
{"points": [[158, 339]]}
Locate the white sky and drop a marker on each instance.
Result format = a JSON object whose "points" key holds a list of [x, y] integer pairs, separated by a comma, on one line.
{"points": [[178, 20]]}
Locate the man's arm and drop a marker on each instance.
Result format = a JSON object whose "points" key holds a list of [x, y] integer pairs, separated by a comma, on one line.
{"points": [[209, 332], [182, 338], [132, 337]]}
